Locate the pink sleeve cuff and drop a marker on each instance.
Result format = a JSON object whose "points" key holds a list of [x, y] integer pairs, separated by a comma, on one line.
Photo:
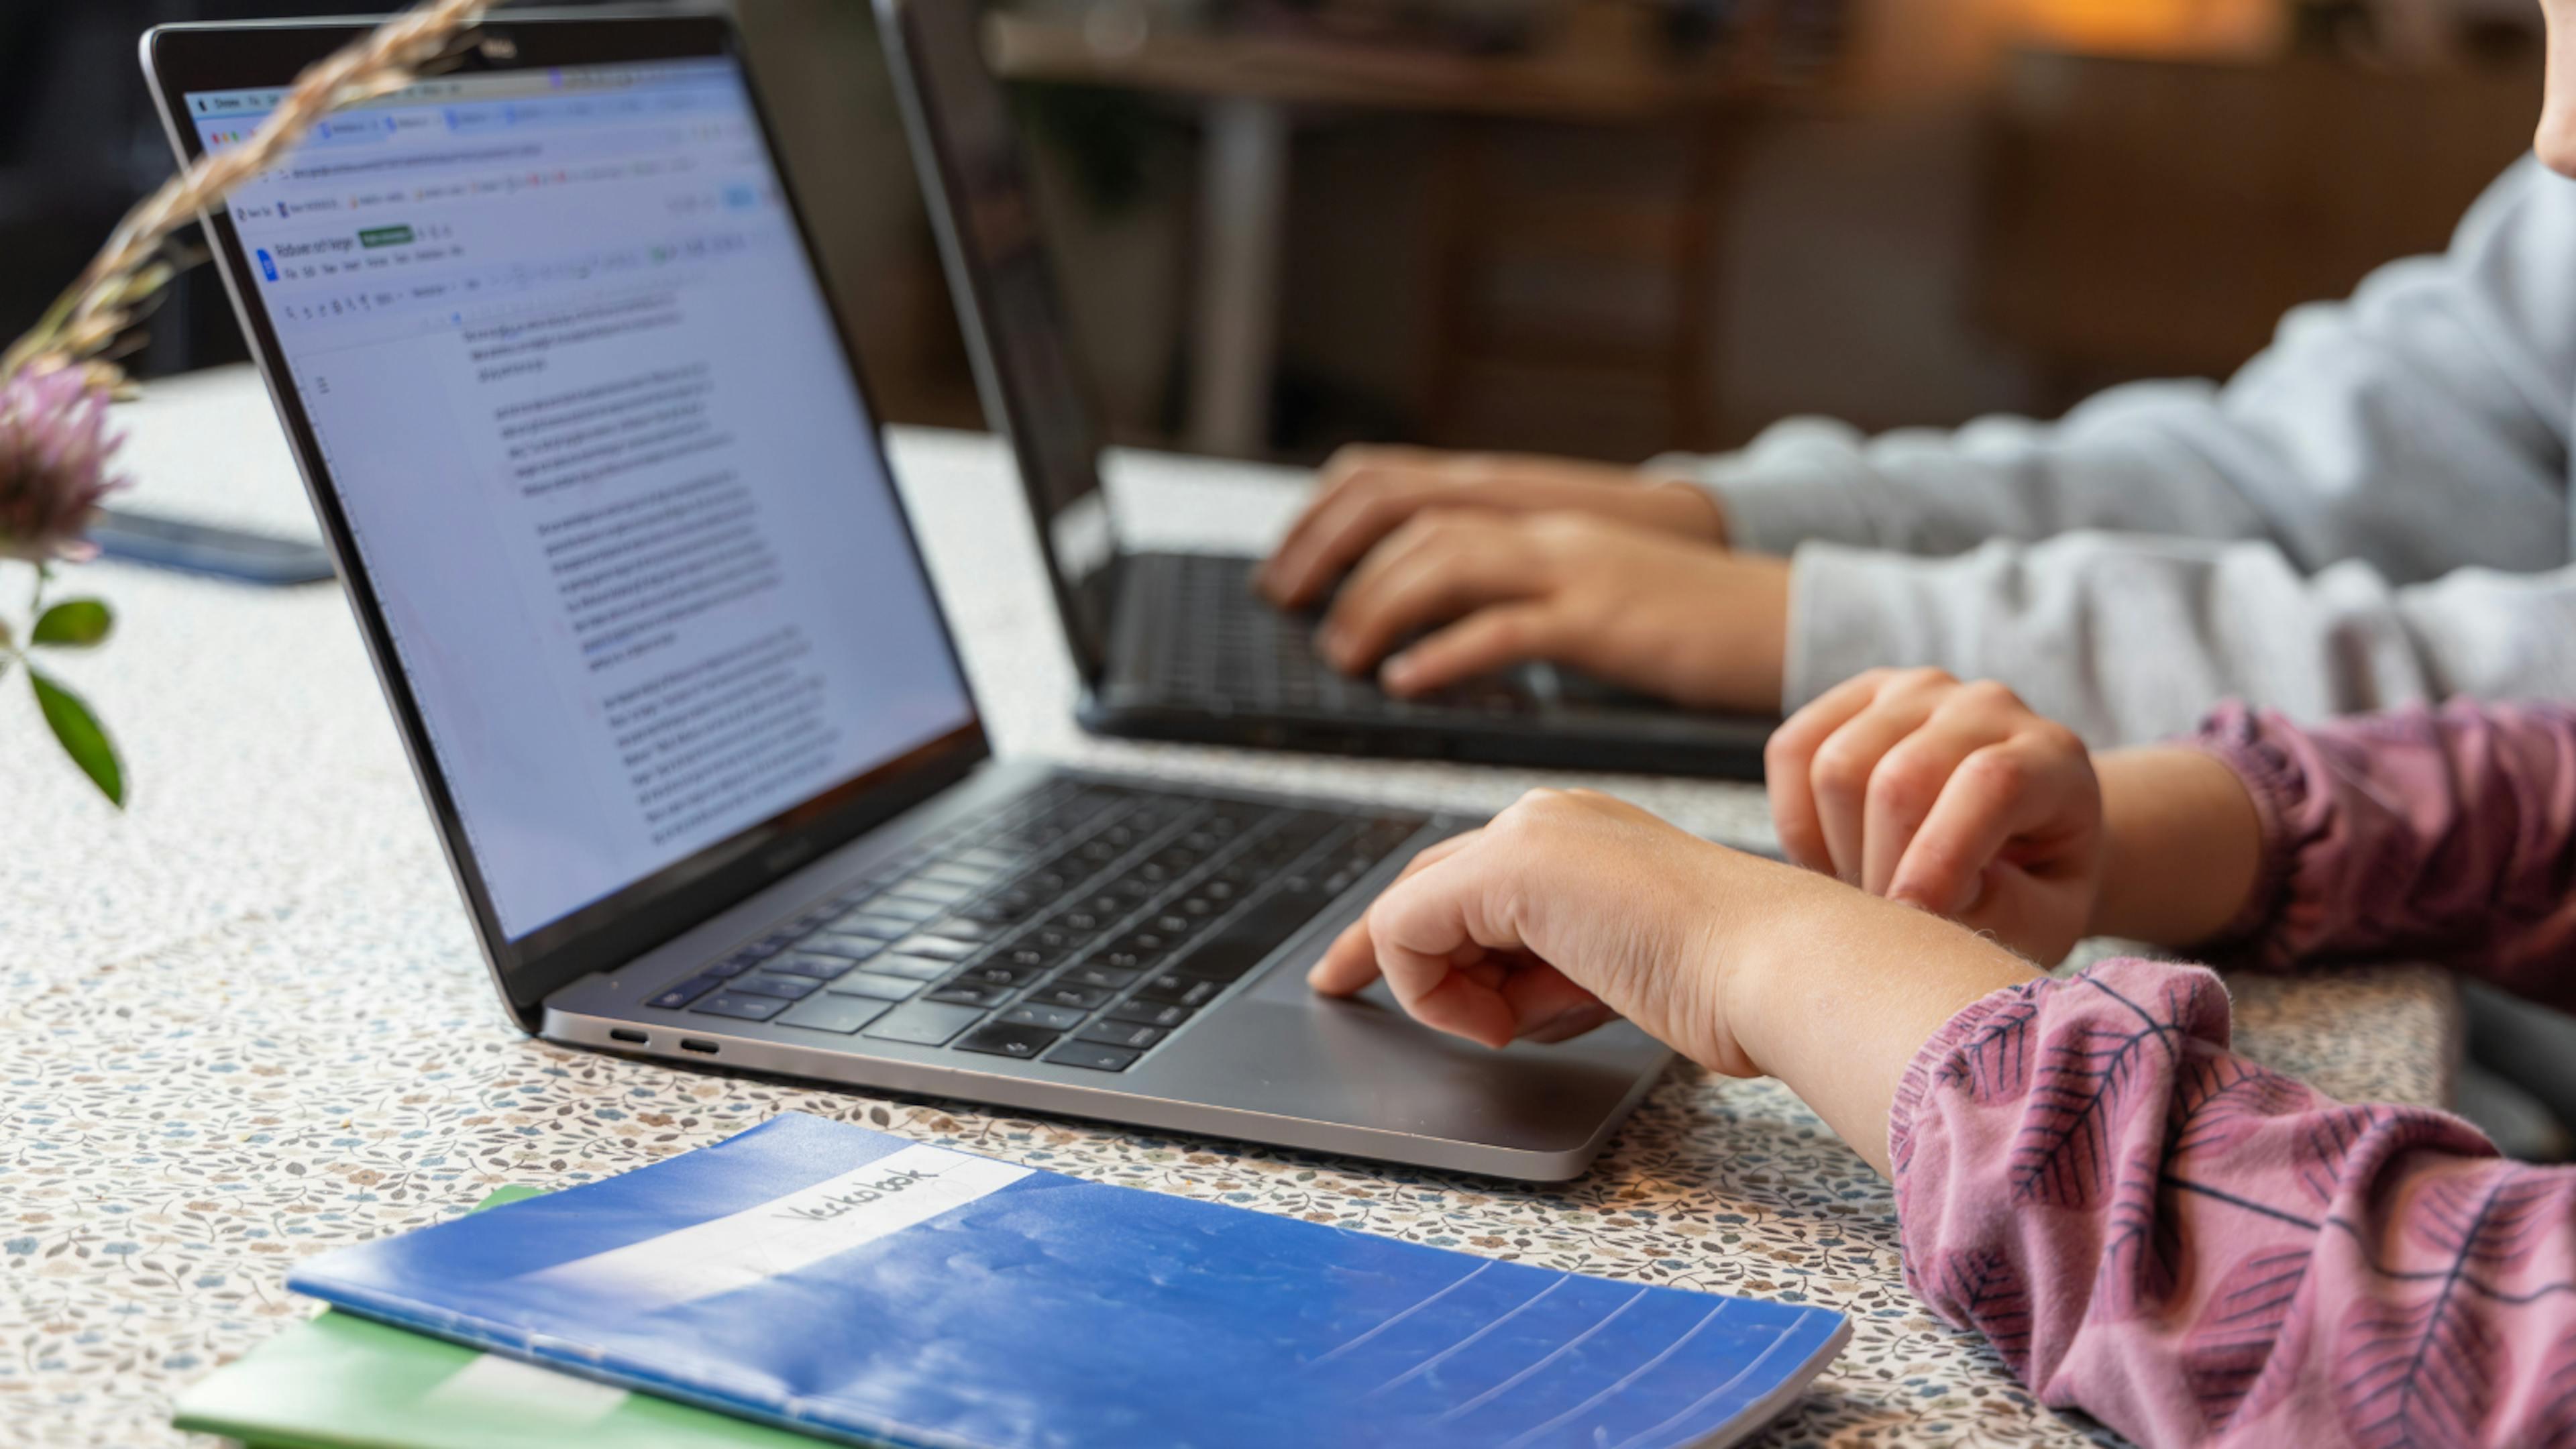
{"points": [[2277, 782]]}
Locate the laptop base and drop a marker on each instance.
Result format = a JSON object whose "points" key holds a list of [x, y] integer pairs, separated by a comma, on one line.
{"points": [[1264, 1059]]}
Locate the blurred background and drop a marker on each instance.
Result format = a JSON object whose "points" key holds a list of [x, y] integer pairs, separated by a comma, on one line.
{"points": [[1600, 227]]}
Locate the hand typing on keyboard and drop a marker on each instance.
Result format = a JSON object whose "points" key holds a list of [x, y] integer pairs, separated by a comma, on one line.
{"points": [[1691, 624]]}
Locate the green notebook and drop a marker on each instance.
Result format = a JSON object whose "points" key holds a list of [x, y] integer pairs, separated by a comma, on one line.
{"points": [[343, 1382]]}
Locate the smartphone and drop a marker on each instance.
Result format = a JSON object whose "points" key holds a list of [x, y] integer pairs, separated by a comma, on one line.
{"points": [[204, 548]]}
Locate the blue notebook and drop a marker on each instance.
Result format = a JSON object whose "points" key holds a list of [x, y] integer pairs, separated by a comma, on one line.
{"points": [[842, 1282]]}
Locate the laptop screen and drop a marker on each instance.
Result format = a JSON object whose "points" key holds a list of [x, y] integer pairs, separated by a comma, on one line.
{"points": [[604, 462], [1017, 329]]}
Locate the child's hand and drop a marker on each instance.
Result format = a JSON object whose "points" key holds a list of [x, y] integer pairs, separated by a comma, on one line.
{"points": [[1952, 797], [1366, 493], [1696, 625], [1572, 908], [1569, 909]]}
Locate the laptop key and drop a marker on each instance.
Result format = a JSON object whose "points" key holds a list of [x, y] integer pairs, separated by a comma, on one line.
{"points": [[741, 1007], [1009, 906], [686, 992], [958, 872], [847, 947], [1007, 1039], [1094, 1056], [958, 928], [1105, 976], [1248, 940], [1001, 973], [1151, 1013], [908, 909], [843, 1014], [971, 993], [1054, 1018], [871, 926], [808, 963], [911, 968], [921, 888], [791, 988], [875, 987], [1086, 998], [1178, 991], [925, 1023], [1135, 1036], [936, 948]]}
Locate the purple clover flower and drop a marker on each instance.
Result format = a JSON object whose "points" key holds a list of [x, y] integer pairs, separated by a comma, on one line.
{"points": [[54, 452]]}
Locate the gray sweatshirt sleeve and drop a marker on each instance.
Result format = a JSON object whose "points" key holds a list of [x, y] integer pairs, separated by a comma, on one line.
{"points": [[2127, 638], [2420, 427]]}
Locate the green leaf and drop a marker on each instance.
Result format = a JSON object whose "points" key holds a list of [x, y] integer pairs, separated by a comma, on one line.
{"points": [[82, 738], [72, 624]]}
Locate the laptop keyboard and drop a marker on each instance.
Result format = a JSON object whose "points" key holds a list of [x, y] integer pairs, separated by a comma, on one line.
{"points": [[1218, 642], [1082, 926]]}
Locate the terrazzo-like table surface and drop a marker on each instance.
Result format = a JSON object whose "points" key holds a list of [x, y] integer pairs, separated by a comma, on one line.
{"points": [[246, 1021]]}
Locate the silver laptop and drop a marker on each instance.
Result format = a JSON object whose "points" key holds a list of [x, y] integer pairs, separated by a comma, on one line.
{"points": [[616, 522]]}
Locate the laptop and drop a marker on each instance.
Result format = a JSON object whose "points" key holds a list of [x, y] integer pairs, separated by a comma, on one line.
{"points": [[1177, 646], [615, 518]]}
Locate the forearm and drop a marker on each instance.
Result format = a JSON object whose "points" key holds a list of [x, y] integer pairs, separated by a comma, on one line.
{"points": [[2183, 846], [2126, 460], [1836, 991]]}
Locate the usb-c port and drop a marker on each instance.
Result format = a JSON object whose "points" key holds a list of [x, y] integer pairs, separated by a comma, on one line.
{"points": [[619, 1033], [692, 1044]]}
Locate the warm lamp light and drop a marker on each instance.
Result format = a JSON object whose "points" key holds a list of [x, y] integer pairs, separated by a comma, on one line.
{"points": [[2154, 26]]}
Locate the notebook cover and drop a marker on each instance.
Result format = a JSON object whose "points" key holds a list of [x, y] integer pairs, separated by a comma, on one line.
{"points": [[343, 1382], [824, 1277]]}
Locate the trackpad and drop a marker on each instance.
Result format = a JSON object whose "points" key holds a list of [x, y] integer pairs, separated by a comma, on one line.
{"points": [[1285, 1050]]}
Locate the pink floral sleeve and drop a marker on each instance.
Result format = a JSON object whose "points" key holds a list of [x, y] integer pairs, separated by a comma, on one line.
{"points": [[2199, 1251], [2443, 835]]}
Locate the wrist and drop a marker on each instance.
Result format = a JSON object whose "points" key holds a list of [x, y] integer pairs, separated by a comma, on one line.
{"points": [[1759, 610], [1833, 992], [2182, 846], [1761, 926], [1687, 509]]}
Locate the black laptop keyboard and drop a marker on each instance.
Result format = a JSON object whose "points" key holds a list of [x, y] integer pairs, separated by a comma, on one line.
{"points": [[1218, 642], [1082, 926]]}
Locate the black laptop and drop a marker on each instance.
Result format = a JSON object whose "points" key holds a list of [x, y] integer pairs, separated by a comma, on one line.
{"points": [[1176, 645]]}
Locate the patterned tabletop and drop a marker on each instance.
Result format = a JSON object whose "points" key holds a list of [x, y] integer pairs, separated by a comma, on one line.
{"points": [[246, 1021]]}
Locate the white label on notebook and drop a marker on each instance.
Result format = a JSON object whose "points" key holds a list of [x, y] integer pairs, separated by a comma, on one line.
{"points": [[492, 1386], [908, 1186]]}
